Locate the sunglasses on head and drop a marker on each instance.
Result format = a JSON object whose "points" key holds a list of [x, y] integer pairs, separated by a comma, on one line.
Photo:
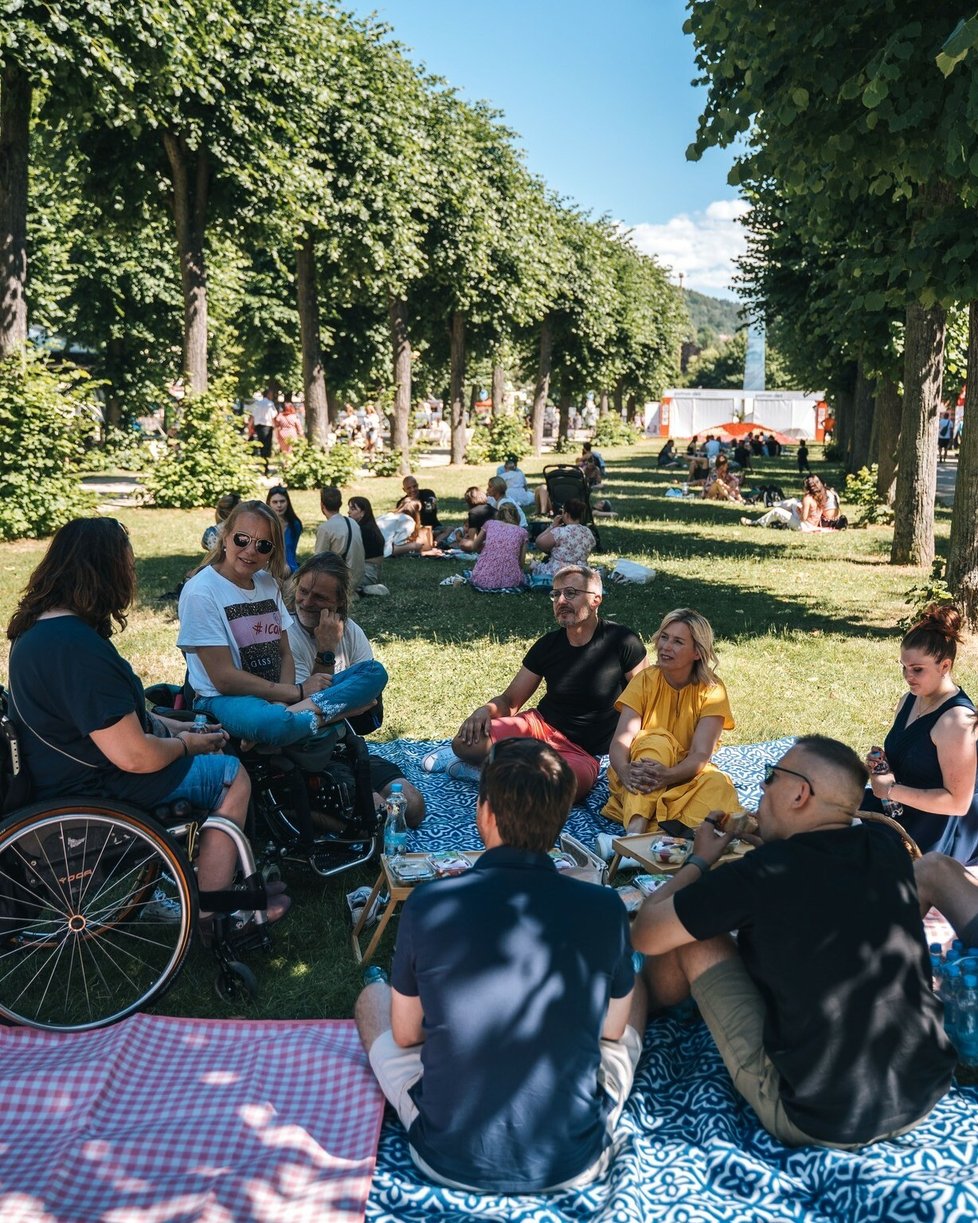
{"points": [[262, 546]]}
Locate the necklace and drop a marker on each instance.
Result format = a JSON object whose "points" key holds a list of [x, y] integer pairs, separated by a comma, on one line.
{"points": [[920, 711]]}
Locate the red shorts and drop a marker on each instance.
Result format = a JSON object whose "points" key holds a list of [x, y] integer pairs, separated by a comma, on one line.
{"points": [[530, 725]]}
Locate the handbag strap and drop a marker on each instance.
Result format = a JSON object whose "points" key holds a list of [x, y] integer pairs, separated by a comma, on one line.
{"points": [[37, 735]]}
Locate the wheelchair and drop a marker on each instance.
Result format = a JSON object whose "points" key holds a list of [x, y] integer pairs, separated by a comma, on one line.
{"points": [[99, 903], [330, 775]]}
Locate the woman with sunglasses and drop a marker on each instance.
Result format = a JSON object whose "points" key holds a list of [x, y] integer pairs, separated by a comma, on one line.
{"points": [[234, 632], [925, 774], [80, 707], [672, 716]]}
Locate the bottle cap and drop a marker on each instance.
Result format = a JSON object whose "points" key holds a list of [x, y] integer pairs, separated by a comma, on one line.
{"points": [[937, 948], [396, 788], [971, 982]]}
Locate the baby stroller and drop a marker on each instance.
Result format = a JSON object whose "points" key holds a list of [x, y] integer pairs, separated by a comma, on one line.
{"points": [[565, 482]]}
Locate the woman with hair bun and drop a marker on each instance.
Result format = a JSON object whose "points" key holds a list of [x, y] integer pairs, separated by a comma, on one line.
{"points": [[927, 765], [672, 716]]}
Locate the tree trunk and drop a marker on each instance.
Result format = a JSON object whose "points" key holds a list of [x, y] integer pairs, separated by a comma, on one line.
{"points": [[603, 403], [923, 353], [115, 355], [844, 411], [456, 385], [400, 435], [563, 418], [889, 407], [190, 219], [864, 405], [631, 408], [498, 389], [15, 124], [618, 394], [313, 373], [332, 405], [542, 389], [962, 562]]}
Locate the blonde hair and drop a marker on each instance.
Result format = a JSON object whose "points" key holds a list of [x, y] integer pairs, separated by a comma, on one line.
{"points": [[275, 565], [701, 631], [508, 512]]}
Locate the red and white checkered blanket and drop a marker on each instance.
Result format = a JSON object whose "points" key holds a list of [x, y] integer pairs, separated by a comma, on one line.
{"points": [[159, 1119]]}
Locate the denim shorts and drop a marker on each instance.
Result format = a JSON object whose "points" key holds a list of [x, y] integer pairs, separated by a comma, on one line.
{"points": [[206, 782]]}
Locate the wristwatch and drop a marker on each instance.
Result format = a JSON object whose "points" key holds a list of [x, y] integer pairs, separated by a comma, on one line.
{"points": [[327, 658]]}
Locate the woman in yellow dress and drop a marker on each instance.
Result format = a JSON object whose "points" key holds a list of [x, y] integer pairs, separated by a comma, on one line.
{"points": [[672, 716]]}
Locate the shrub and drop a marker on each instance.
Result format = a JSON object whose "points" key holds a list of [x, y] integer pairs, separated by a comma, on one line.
{"points": [[385, 463], [611, 430], [127, 450], [565, 445], [210, 457], [46, 415], [933, 590], [309, 467], [502, 436], [860, 489]]}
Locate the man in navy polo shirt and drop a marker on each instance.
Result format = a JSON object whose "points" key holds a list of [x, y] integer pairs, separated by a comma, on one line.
{"points": [[508, 1040]]}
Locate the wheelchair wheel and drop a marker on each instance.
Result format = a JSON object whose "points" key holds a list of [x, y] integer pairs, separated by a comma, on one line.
{"points": [[97, 907]]}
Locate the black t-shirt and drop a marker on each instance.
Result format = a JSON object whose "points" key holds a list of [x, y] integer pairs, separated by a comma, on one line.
{"points": [[373, 540], [429, 506], [829, 929], [67, 681], [479, 515], [583, 682], [514, 965]]}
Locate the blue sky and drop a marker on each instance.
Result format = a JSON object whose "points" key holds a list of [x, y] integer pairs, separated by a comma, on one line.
{"points": [[600, 95]]}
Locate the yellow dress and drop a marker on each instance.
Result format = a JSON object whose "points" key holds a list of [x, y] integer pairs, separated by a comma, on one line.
{"points": [[669, 720]]}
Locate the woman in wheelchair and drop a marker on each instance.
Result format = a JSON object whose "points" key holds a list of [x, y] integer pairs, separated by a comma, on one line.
{"points": [[79, 706], [234, 632]]}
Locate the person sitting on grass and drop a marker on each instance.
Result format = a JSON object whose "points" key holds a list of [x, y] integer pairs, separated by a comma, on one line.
{"points": [[327, 643], [280, 501], [822, 1010], [567, 542], [508, 1038], [428, 502], [584, 663], [516, 485], [721, 484], [945, 884], [672, 716], [667, 456], [501, 545], [234, 633], [362, 513], [480, 511], [497, 494], [795, 515]]}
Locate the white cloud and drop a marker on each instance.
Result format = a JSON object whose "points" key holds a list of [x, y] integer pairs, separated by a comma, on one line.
{"points": [[701, 245]]}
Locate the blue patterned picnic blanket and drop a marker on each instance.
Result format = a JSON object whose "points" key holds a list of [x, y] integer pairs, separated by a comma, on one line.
{"points": [[689, 1149], [450, 821]]}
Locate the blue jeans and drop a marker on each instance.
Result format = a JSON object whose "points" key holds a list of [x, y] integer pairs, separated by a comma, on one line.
{"points": [[251, 717], [206, 782]]}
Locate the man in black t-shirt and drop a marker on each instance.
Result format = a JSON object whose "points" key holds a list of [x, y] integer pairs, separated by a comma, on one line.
{"points": [[822, 1010], [427, 498], [585, 664]]}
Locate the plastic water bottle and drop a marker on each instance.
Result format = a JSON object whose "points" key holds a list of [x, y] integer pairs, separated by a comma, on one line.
{"points": [[966, 1033], [950, 989], [396, 829], [879, 765], [201, 725]]}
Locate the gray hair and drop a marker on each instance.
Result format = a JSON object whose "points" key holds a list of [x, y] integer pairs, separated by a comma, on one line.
{"points": [[590, 576]]}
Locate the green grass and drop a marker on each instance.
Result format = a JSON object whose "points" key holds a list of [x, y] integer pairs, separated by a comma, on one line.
{"points": [[806, 630]]}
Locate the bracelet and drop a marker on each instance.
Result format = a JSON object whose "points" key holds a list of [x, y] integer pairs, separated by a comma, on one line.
{"points": [[302, 695], [183, 744], [701, 864]]}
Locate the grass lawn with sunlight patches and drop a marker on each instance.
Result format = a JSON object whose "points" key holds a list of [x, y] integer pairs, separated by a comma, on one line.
{"points": [[806, 631]]}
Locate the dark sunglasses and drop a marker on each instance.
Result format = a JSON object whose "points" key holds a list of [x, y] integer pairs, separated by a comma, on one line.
{"points": [[778, 768], [262, 546]]}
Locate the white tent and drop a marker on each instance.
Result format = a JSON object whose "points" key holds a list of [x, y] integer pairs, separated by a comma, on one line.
{"points": [[684, 411]]}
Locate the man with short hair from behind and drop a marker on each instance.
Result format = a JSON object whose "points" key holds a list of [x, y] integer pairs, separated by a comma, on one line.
{"points": [[509, 1036], [822, 1009], [340, 534]]}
